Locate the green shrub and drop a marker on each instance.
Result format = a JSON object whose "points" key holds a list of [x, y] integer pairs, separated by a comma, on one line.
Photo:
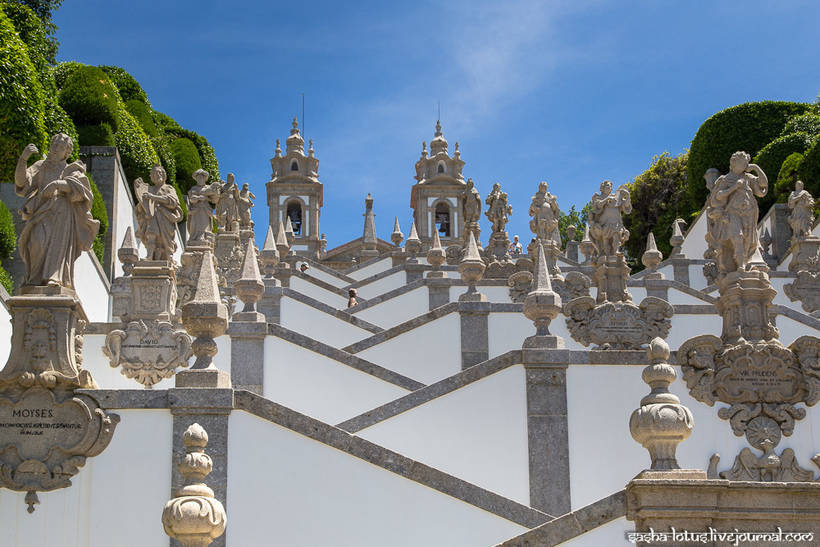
{"points": [[38, 37], [96, 135], [142, 113], [809, 170], [772, 156], [129, 87], [748, 127], [207, 156], [136, 152], [62, 72], [787, 176], [162, 145], [805, 123], [21, 101], [181, 198], [187, 161], [166, 123], [99, 212], [6, 280], [90, 98], [8, 236]]}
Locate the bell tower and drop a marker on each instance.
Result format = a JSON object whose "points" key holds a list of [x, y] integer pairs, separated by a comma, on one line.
{"points": [[437, 198], [294, 192]]}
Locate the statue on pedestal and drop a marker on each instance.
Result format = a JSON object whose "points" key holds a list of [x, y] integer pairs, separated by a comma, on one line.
{"points": [[244, 202], [801, 218], [201, 198], [57, 213], [498, 210], [472, 209], [158, 211], [227, 208], [544, 212], [605, 225]]}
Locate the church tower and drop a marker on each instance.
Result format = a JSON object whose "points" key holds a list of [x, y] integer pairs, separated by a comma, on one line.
{"points": [[437, 198], [294, 192]]}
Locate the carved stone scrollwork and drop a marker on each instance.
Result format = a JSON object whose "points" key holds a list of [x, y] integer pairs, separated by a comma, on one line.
{"points": [[148, 352], [618, 325]]}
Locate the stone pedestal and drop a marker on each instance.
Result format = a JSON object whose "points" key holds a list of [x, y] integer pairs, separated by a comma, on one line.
{"points": [[414, 272], [247, 354], [203, 378], [680, 269], [805, 254], [439, 291], [745, 304], [269, 304], [611, 274], [571, 252], [474, 330], [398, 257], [498, 247]]}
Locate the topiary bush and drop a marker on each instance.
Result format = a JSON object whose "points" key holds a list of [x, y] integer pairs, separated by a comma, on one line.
{"points": [[166, 123], [136, 152], [187, 161], [128, 86], [99, 212], [771, 157], [6, 280], [90, 98], [787, 177], [809, 170], [207, 156], [748, 127], [62, 71], [21, 101], [38, 37], [805, 123], [142, 113], [96, 135]]}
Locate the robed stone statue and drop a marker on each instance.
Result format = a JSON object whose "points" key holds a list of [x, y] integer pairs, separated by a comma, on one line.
{"points": [[801, 218], [544, 212], [158, 211], [606, 228], [499, 210], [57, 214], [201, 197]]}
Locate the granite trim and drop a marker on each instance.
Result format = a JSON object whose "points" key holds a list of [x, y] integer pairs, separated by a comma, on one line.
{"points": [[392, 293], [431, 392], [330, 271], [344, 357], [305, 276], [401, 328], [373, 260], [571, 525], [330, 310], [389, 460]]}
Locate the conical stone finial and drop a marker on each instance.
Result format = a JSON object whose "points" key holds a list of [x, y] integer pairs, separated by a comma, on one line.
{"points": [[396, 237], [127, 253], [651, 256], [436, 257], [269, 257], [661, 423], [278, 151], [249, 287], [413, 244], [205, 316], [587, 246], [289, 230], [472, 269], [369, 241], [194, 517], [282, 240], [677, 237], [542, 305]]}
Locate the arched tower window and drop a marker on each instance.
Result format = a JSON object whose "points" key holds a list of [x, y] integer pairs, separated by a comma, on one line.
{"points": [[443, 219], [440, 167], [294, 166], [294, 213]]}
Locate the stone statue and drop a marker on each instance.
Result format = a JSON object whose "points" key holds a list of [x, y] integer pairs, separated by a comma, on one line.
{"points": [[544, 212], [732, 210], [201, 197], [158, 211], [472, 203], [57, 214], [244, 203], [801, 218], [498, 210], [227, 209], [605, 224]]}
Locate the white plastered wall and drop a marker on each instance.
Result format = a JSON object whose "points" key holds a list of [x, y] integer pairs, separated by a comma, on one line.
{"points": [[318, 293], [676, 296], [610, 534], [383, 285], [326, 277], [477, 433], [318, 325], [696, 278], [498, 294], [116, 499], [397, 309], [312, 483], [371, 269], [318, 386], [427, 353], [695, 242], [91, 288]]}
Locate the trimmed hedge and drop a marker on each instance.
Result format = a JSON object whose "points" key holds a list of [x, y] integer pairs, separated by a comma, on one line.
{"points": [[96, 135], [166, 123], [805, 123], [6, 280], [748, 127], [90, 98], [787, 176], [99, 213], [142, 113], [207, 156], [8, 236], [129, 87], [138, 156], [187, 160], [809, 170], [63, 70], [771, 158], [21, 101]]}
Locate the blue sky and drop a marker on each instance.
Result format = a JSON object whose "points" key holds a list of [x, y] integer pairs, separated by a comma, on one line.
{"points": [[568, 92]]}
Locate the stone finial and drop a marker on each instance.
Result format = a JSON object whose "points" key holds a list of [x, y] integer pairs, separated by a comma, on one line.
{"points": [[289, 231], [471, 269], [282, 243], [269, 256], [369, 241], [661, 423], [651, 256], [128, 253], [424, 149], [677, 237], [436, 257], [542, 304], [396, 237], [311, 152], [587, 246], [457, 153], [249, 288], [194, 517], [413, 244], [278, 151], [205, 316]]}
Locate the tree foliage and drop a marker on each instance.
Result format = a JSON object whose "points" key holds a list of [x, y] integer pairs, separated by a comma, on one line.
{"points": [[575, 218]]}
